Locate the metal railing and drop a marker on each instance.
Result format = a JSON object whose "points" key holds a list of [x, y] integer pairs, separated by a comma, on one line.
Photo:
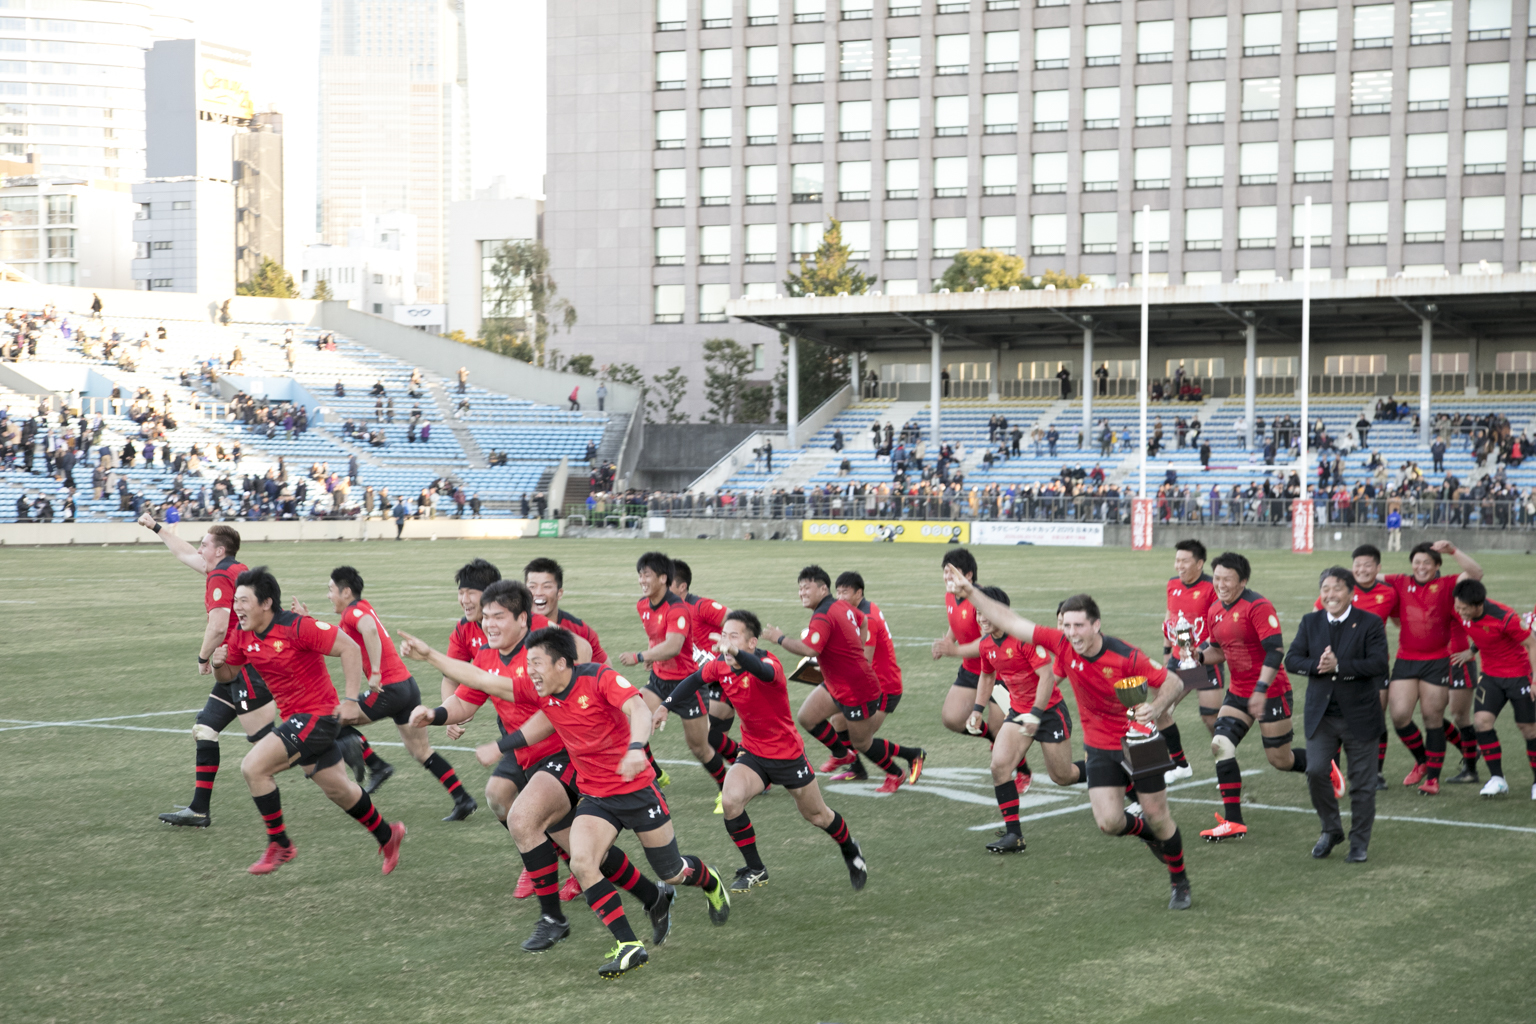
{"points": [[1112, 509]]}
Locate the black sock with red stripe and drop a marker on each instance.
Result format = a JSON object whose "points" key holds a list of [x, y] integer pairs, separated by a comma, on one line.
{"points": [[604, 900], [1130, 791], [1434, 752], [1413, 740], [721, 740], [369, 817], [559, 850], [270, 807], [1530, 754], [370, 756], [438, 765], [1493, 754], [742, 834], [1135, 828], [1381, 751], [716, 768], [697, 873], [1469, 751], [543, 867], [884, 752], [838, 830], [206, 762], [1023, 766], [617, 868], [1229, 781], [828, 737], [1299, 764], [1008, 803], [1172, 853], [842, 737], [1452, 737], [986, 731], [1175, 746]]}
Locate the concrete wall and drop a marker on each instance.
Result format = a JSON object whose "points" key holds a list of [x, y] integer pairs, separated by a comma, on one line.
{"points": [[159, 305], [90, 534], [675, 454]]}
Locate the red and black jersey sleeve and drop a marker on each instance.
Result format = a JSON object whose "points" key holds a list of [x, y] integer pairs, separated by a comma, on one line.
{"points": [[587, 633], [467, 640]]}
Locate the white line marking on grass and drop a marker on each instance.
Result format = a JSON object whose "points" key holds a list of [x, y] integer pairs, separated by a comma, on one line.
{"points": [[20, 723], [1379, 817], [1085, 805]]}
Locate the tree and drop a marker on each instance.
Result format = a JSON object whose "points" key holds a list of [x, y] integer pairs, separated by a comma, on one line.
{"points": [[994, 270], [323, 290], [822, 370], [726, 365], [271, 281], [756, 405], [521, 282], [671, 389], [984, 268], [582, 365], [629, 373], [829, 272]]}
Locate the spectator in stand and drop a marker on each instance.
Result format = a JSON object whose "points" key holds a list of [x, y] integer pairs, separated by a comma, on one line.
{"points": [[463, 379], [459, 501], [575, 403], [378, 388], [426, 431], [1205, 456], [602, 395], [410, 433], [474, 506], [524, 509], [1065, 376], [401, 512], [1437, 454]]}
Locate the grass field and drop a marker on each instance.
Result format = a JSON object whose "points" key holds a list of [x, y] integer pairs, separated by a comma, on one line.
{"points": [[110, 916]]}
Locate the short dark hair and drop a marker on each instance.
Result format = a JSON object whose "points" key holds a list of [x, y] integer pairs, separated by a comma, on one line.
{"points": [[1338, 572], [850, 579], [557, 643], [816, 574], [509, 594], [476, 575], [961, 559], [546, 565], [227, 537], [997, 594], [1234, 561], [1081, 603], [658, 563], [1193, 546], [681, 573], [1471, 592], [264, 585], [746, 618], [347, 578], [1425, 548], [1367, 551]]}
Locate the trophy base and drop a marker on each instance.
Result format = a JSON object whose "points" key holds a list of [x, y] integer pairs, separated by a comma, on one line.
{"points": [[808, 671], [1144, 757], [1197, 677]]}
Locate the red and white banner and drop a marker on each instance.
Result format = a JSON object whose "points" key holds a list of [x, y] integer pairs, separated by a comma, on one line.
{"points": [[1301, 526], [1141, 524]]}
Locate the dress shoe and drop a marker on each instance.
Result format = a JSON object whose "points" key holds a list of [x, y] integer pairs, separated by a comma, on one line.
{"points": [[1325, 844], [1356, 854]]}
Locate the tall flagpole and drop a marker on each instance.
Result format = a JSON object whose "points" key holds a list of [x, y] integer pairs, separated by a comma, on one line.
{"points": [[1304, 507], [1146, 279]]}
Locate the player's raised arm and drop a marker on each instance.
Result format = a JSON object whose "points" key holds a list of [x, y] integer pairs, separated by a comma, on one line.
{"points": [[184, 552], [996, 612], [1470, 570], [461, 672], [775, 635]]}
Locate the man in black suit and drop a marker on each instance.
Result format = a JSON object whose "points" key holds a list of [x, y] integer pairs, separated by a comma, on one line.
{"points": [[1343, 653]]}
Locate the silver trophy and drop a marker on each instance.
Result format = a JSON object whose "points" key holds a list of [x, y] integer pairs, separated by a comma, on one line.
{"points": [[1185, 638]]}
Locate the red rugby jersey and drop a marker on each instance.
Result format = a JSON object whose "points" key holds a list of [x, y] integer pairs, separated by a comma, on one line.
{"points": [[394, 670], [1240, 630], [708, 617], [1380, 600], [290, 656], [886, 668], [672, 615], [1093, 682], [767, 727], [466, 641], [588, 717], [1500, 638], [1193, 601], [566, 621], [219, 591], [514, 713], [962, 623], [1014, 662], [835, 634], [1427, 613]]}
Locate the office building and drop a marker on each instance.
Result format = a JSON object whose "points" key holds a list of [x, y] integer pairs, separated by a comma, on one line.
{"points": [[477, 229], [697, 146], [394, 121], [59, 230], [375, 271], [258, 179]]}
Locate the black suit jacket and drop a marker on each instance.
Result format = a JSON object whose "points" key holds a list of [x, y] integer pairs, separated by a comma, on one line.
{"points": [[1361, 651]]}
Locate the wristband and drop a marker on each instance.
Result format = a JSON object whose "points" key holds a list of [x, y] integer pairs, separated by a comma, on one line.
{"points": [[640, 657], [511, 741], [1260, 687], [157, 527], [439, 716], [202, 660], [637, 745], [978, 708]]}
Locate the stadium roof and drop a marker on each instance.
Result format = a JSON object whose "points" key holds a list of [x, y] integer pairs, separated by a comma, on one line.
{"points": [[1484, 307]]}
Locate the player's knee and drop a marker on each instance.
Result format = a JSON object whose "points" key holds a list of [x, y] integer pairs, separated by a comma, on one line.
{"points": [[204, 733], [665, 861], [1110, 826], [1222, 747], [1061, 776]]}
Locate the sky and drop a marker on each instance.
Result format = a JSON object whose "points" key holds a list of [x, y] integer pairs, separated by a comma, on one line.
{"points": [[506, 87]]}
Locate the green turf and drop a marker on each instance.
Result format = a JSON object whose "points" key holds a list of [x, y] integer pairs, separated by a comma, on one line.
{"points": [[109, 916]]}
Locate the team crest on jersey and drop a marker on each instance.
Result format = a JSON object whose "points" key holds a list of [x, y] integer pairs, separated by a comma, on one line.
{"points": [[520, 670], [277, 645], [582, 702], [1109, 673], [1274, 621], [217, 593]]}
